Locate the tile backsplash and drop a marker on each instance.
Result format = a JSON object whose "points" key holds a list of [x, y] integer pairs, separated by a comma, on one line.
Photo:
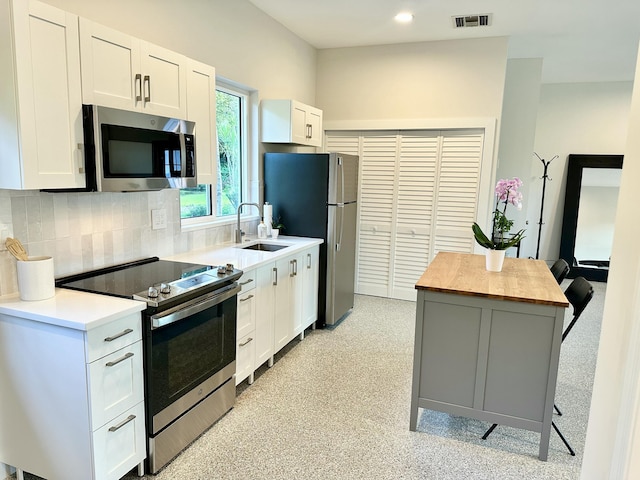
{"points": [[82, 231]]}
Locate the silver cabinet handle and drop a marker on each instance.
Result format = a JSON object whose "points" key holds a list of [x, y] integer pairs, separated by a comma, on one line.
{"points": [[295, 267], [130, 418], [248, 281], [246, 298], [275, 271], [121, 359], [247, 342], [308, 261], [118, 335], [147, 82], [291, 270], [138, 87]]}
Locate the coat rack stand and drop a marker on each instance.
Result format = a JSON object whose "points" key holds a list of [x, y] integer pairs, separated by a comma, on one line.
{"points": [[544, 177]]}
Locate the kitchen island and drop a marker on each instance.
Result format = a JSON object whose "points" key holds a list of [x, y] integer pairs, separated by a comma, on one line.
{"points": [[487, 344]]}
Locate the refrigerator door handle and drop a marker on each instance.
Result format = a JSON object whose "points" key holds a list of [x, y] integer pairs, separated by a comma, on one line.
{"points": [[341, 170], [340, 208]]}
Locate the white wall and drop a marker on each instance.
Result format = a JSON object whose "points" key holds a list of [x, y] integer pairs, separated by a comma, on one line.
{"points": [[428, 85], [612, 449], [517, 134], [83, 231], [243, 43], [429, 80], [572, 118]]}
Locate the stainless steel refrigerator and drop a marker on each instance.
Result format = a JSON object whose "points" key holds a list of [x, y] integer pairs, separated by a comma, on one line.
{"points": [[315, 194]]}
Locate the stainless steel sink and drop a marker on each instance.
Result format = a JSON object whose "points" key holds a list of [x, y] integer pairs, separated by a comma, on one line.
{"points": [[265, 247]]}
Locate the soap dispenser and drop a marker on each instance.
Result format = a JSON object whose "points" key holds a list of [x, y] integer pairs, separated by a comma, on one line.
{"points": [[262, 230]]}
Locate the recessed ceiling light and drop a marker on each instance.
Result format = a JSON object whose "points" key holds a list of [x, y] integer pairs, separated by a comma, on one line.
{"points": [[404, 17]]}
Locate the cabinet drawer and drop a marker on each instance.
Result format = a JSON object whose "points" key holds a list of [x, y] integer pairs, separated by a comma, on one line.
{"points": [[245, 357], [120, 445], [112, 336], [115, 383], [247, 281], [246, 313]]}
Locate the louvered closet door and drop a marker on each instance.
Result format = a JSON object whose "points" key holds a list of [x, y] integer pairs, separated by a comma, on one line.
{"points": [[415, 183], [418, 195], [457, 191], [377, 208]]}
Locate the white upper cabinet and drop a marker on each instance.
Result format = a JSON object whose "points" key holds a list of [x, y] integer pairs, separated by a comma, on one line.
{"points": [[40, 97], [289, 121], [121, 71], [201, 109]]}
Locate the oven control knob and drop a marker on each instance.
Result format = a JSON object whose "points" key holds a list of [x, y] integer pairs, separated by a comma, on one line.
{"points": [[165, 288], [222, 270], [153, 292]]}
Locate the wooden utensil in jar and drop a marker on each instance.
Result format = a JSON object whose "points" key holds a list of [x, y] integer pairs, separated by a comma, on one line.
{"points": [[16, 249]]}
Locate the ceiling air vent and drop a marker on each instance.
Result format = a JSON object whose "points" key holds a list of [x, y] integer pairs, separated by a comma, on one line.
{"points": [[465, 21]]}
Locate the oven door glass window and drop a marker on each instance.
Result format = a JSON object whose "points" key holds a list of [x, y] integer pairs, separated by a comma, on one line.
{"points": [[186, 353]]}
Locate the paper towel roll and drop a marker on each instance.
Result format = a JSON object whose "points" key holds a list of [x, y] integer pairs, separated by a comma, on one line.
{"points": [[267, 215]]}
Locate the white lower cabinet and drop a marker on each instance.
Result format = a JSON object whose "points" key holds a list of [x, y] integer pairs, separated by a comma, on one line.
{"points": [[245, 345], [285, 301], [77, 410]]}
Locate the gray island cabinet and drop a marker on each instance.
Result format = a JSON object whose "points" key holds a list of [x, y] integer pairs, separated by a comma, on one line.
{"points": [[487, 344]]}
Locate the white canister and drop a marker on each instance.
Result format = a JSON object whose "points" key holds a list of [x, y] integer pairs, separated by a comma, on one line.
{"points": [[35, 278]]}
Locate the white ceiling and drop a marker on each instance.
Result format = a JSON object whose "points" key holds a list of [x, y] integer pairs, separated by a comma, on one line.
{"points": [[579, 40]]}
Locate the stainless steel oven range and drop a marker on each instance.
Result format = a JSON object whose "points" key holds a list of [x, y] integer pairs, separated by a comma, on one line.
{"points": [[189, 336]]}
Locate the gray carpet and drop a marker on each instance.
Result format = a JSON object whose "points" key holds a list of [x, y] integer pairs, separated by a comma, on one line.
{"points": [[336, 406]]}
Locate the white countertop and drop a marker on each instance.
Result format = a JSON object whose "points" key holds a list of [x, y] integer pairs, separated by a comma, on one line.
{"points": [[244, 259], [84, 311], [71, 309]]}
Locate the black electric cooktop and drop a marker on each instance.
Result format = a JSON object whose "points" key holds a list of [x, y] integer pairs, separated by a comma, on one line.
{"points": [[136, 279]]}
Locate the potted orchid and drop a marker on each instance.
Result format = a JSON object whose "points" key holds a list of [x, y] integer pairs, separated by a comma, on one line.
{"points": [[506, 192]]}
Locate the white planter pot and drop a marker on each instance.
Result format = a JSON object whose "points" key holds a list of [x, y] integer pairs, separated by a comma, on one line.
{"points": [[494, 260], [274, 233]]}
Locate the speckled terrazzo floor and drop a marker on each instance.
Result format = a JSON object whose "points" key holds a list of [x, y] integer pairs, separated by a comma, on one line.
{"points": [[336, 406]]}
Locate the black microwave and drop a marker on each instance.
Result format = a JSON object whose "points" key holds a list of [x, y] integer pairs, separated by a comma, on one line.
{"points": [[134, 151]]}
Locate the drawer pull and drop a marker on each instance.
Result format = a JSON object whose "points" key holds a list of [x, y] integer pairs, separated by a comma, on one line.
{"points": [[121, 359], [121, 334], [249, 297], [248, 281], [247, 342], [122, 423]]}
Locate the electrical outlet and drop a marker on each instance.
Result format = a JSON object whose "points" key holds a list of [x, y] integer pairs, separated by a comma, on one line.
{"points": [[158, 219]]}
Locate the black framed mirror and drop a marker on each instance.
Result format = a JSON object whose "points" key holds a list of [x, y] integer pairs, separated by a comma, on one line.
{"points": [[590, 202]]}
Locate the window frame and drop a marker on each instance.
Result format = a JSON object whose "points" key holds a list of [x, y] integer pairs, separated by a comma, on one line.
{"points": [[248, 139]]}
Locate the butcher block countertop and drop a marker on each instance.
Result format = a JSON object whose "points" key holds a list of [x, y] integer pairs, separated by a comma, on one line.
{"points": [[521, 280]]}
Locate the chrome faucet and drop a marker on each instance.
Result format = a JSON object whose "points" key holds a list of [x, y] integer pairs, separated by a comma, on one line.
{"points": [[239, 232]]}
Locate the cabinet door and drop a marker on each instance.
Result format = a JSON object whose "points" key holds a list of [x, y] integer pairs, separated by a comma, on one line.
{"points": [[283, 317], [246, 313], [314, 125], [110, 67], [309, 272], [299, 128], [120, 444], [296, 292], [164, 81], [47, 63], [265, 279], [115, 382], [245, 357], [201, 109]]}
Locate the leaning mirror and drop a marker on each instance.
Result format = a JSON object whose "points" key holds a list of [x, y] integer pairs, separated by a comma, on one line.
{"points": [[590, 204]]}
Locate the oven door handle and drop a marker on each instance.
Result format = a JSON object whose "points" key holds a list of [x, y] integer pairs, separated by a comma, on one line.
{"points": [[194, 306]]}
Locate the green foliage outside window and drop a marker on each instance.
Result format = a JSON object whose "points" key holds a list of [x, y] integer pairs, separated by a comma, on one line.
{"points": [[196, 202]]}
